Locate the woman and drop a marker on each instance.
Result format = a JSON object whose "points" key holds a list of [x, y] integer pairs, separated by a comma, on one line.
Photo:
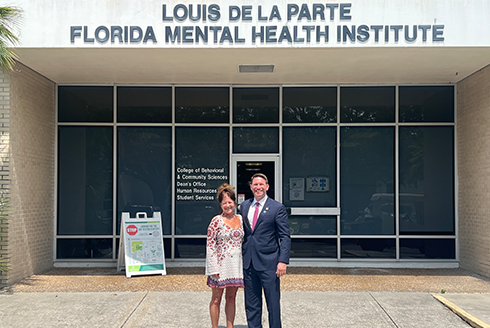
{"points": [[224, 266]]}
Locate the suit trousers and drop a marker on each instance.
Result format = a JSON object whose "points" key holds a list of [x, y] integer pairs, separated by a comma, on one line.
{"points": [[255, 281]]}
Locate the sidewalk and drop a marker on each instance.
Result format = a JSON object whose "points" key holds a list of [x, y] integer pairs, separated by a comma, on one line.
{"points": [[311, 297], [190, 309]]}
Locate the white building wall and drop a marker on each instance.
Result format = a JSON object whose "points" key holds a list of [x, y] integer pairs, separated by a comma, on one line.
{"points": [[50, 23]]}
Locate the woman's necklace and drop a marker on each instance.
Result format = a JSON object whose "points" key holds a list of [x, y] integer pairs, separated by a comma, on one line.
{"points": [[228, 216]]}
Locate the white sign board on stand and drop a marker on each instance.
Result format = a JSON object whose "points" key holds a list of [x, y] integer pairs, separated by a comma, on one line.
{"points": [[142, 244]]}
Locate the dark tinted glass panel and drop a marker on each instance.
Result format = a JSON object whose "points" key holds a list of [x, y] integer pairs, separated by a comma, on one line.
{"points": [[367, 104], [426, 180], [427, 104], [201, 166], [256, 105], [145, 172], [85, 181], [85, 104], [190, 248], [144, 104], [367, 175], [368, 248], [202, 105], [427, 249], [167, 244], [313, 248], [84, 248], [309, 105], [313, 225], [309, 167], [255, 140]]}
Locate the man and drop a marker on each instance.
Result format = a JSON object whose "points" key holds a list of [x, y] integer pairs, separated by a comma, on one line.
{"points": [[266, 247]]}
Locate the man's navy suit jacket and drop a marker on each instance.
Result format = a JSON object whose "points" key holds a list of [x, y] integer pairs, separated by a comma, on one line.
{"points": [[269, 243]]}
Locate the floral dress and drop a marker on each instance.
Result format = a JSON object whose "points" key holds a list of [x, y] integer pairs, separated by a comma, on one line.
{"points": [[224, 254]]}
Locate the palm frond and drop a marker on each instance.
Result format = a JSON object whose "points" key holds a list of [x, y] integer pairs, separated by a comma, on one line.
{"points": [[7, 57], [10, 19]]}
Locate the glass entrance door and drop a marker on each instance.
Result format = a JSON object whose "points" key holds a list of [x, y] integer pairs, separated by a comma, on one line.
{"points": [[245, 166]]}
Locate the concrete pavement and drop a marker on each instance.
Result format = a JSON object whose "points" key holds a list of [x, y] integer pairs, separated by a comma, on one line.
{"points": [[190, 309]]}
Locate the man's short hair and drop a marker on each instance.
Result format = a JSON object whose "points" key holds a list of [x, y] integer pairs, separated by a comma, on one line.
{"points": [[259, 175]]}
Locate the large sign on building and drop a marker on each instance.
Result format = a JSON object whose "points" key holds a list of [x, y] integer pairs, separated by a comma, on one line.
{"points": [[356, 23], [290, 23]]}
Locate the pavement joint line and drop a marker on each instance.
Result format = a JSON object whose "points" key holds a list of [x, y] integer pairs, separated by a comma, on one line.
{"points": [[472, 320], [382, 308], [134, 310]]}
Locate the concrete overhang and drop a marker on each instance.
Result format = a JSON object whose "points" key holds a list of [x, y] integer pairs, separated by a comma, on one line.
{"points": [[371, 65]]}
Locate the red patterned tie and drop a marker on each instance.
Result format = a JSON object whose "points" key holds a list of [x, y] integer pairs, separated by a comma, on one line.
{"points": [[256, 215]]}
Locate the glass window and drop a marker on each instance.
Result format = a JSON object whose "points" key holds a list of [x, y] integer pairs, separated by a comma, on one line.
{"points": [[427, 249], [427, 104], [144, 104], [85, 180], [202, 105], [190, 248], [201, 164], [84, 248], [314, 248], [367, 104], [309, 105], [145, 171], [85, 104], [167, 245], [256, 105], [309, 156], [368, 248], [255, 140], [313, 225], [427, 180], [367, 180]]}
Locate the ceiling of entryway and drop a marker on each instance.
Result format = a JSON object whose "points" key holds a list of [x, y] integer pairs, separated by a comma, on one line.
{"points": [[292, 66]]}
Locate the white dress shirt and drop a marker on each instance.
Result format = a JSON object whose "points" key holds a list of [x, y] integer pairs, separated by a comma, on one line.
{"points": [[251, 210]]}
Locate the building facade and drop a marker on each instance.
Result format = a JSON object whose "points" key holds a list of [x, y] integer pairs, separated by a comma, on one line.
{"points": [[369, 119]]}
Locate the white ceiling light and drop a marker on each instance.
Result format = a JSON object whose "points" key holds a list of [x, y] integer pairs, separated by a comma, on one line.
{"points": [[255, 68]]}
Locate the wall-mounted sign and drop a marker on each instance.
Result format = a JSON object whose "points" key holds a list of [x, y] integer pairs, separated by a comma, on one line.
{"points": [[296, 189], [224, 23], [317, 184]]}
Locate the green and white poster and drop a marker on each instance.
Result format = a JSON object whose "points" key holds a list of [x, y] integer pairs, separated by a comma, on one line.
{"points": [[143, 244]]}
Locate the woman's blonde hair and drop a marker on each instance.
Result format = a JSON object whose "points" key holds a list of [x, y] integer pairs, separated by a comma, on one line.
{"points": [[225, 189]]}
